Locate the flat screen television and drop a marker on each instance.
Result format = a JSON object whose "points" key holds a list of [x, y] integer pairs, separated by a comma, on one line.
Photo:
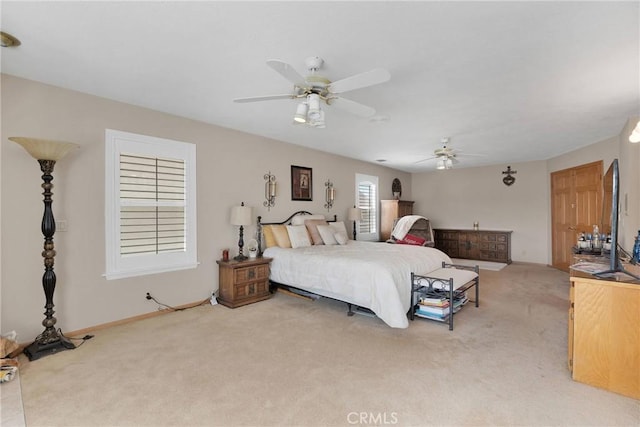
{"points": [[610, 218]]}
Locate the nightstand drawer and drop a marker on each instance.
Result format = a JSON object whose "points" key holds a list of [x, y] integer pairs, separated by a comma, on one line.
{"points": [[251, 289], [256, 272]]}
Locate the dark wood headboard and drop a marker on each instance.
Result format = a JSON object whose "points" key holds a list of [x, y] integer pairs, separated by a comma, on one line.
{"points": [[286, 221]]}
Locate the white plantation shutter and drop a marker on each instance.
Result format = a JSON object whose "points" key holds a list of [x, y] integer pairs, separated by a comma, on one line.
{"points": [[150, 203], [367, 201]]}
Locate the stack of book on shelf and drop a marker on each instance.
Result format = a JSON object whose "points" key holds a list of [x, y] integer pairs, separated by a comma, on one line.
{"points": [[436, 306]]}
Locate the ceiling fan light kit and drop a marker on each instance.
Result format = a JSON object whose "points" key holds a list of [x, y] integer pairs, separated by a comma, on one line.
{"points": [[315, 88]]}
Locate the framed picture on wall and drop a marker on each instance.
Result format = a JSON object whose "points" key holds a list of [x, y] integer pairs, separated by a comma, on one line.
{"points": [[301, 183]]}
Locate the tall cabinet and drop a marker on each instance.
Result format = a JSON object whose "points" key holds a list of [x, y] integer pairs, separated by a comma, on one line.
{"points": [[389, 211]]}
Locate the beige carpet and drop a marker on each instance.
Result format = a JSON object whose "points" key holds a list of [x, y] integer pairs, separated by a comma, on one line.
{"points": [[292, 362]]}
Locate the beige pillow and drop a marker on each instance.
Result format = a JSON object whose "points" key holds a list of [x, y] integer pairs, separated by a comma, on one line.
{"points": [[312, 228], [301, 218], [327, 233], [269, 239], [298, 236], [281, 235]]}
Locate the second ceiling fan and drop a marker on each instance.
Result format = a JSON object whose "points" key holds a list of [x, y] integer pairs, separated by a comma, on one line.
{"points": [[446, 156], [315, 89]]}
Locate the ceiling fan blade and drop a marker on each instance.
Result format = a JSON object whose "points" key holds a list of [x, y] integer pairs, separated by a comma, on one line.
{"points": [[352, 107], [424, 160], [287, 71], [368, 78], [263, 98], [460, 154]]}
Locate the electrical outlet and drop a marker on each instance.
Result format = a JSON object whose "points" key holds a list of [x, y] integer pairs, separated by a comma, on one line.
{"points": [[61, 225]]}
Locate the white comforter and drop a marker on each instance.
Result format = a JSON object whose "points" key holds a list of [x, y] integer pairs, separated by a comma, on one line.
{"points": [[369, 274]]}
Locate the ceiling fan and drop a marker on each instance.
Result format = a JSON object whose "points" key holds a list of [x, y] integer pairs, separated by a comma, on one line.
{"points": [[314, 88], [446, 156]]}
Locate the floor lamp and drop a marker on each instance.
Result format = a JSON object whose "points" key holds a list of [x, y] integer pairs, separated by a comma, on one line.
{"points": [[47, 153], [355, 214]]}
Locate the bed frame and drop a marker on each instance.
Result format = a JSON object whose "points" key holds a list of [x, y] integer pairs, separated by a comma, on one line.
{"points": [[351, 308]]}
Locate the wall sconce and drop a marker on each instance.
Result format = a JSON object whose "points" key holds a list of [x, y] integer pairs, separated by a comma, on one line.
{"points": [[329, 195], [269, 190]]}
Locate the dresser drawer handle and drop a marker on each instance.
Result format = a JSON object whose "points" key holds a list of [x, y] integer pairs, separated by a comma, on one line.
{"points": [[251, 274]]}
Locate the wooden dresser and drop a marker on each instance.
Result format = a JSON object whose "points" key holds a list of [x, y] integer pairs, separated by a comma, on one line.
{"points": [[243, 282], [484, 245], [389, 211], [604, 333]]}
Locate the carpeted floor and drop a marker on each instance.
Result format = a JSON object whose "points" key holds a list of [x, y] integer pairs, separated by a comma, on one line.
{"points": [[292, 362]]}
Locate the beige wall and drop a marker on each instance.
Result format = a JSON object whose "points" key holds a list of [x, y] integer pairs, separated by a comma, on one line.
{"points": [[230, 169], [457, 197]]}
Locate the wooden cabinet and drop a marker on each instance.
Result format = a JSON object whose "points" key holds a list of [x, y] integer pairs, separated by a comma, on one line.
{"points": [[604, 337], [484, 245], [243, 282], [389, 211]]}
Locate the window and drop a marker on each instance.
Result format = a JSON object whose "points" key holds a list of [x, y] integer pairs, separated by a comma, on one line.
{"points": [[150, 199], [367, 200]]}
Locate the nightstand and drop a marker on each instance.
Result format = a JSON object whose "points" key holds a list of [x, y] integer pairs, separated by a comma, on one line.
{"points": [[243, 282]]}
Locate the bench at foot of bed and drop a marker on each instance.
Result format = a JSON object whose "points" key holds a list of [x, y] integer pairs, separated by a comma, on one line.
{"points": [[439, 294]]}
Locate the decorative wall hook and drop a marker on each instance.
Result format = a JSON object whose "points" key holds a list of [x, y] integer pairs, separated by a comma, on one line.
{"points": [[269, 190], [330, 194], [509, 179]]}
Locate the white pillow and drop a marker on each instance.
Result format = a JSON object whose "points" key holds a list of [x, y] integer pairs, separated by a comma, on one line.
{"points": [[298, 236], [339, 227], [327, 233], [299, 219], [341, 238]]}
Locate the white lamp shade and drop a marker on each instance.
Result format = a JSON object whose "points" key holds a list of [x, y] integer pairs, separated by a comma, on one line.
{"points": [[241, 215], [44, 149], [301, 113], [314, 106], [355, 214]]}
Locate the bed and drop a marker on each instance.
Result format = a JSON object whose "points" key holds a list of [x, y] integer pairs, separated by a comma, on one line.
{"points": [[372, 275]]}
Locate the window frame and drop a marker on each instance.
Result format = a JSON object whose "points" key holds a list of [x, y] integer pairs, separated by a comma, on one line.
{"points": [[118, 266], [372, 180]]}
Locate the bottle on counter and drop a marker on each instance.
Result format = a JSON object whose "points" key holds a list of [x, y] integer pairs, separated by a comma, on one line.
{"points": [[636, 250], [595, 243]]}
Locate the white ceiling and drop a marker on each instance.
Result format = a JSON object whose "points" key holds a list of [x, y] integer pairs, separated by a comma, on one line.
{"points": [[514, 81]]}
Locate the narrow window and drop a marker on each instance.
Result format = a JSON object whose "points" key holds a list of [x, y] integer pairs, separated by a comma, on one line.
{"points": [[367, 200]]}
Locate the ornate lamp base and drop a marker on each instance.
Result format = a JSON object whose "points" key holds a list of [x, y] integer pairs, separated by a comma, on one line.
{"points": [[45, 346]]}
